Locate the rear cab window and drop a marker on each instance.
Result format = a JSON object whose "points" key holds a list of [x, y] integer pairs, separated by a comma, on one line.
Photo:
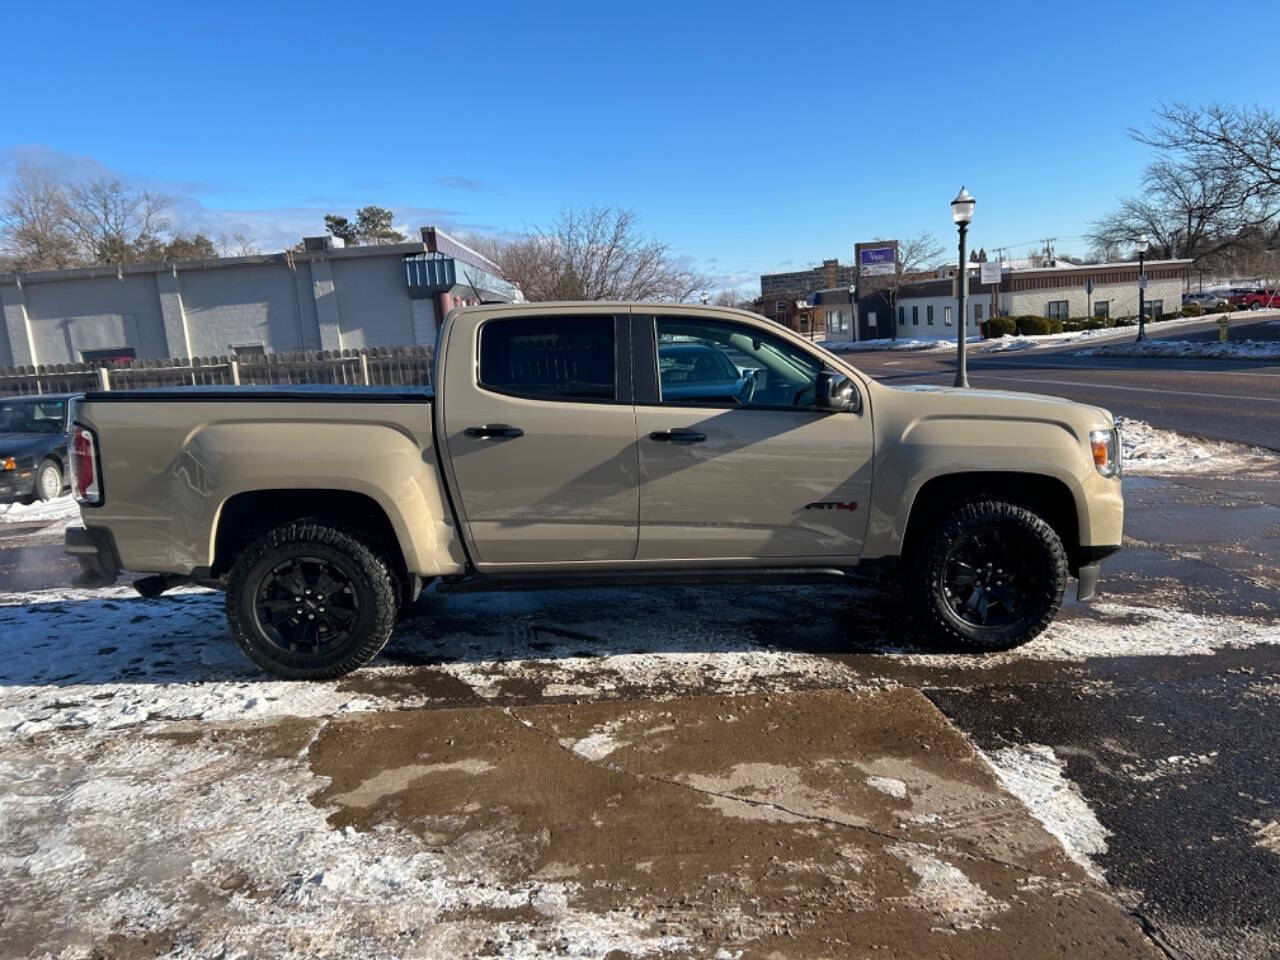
{"points": [[550, 357]]}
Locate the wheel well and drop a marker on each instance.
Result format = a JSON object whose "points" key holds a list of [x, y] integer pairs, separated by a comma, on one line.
{"points": [[1046, 496], [247, 516]]}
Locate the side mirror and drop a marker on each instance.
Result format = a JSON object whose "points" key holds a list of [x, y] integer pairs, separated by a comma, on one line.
{"points": [[835, 391]]}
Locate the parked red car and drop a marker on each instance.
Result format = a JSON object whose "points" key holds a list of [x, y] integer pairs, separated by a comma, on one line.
{"points": [[1256, 300]]}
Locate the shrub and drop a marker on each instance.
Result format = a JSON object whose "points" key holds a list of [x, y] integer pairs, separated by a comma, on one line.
{"points": [[1033, 326], [1124, 322], [1056, 325], [1076, 324], [998, 327], [1192, 310]]}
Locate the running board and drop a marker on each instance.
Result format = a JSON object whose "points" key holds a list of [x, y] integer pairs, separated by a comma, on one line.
{"points": [[688, 577]]}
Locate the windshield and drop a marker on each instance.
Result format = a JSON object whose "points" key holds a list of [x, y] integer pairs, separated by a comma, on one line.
{"points": [[32, 416]]}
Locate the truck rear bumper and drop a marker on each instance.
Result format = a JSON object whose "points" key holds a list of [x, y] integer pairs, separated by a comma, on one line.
{"points": [[96, 552]]}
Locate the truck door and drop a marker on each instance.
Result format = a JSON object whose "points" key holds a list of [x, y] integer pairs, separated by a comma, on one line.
{"points": [[736, 464], [540, 434]]}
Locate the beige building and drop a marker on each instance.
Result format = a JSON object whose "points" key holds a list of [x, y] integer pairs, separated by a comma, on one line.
{"points": [[1060, 291]]}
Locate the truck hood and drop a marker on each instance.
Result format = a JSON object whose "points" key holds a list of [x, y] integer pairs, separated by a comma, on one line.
{"points": [[964, 399]]}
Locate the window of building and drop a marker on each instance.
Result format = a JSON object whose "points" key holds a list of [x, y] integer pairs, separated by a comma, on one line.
{"points": [[123, 355], [248, 350], [1102, 309], [902, 316], [928, 310], [946, 316], [1057, 309], [977, 314], [714, 363], [550, 358], [1155, 309], [915, 316], [871, 319]]}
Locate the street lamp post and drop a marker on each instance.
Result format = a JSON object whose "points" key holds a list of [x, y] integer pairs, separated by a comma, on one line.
{"points": [[853, 309], [1142, 243], [962, 212]]}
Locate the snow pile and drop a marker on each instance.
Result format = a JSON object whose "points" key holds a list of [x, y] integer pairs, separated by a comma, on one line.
{"points": [[54, 516], [1150, 450], [1034, 775], [1231, 350]]}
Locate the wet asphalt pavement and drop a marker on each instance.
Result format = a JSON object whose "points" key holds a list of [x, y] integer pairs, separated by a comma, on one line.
{"points": [[1235, 400]]}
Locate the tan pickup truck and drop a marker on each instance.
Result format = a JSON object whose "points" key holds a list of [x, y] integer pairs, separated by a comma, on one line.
{"points": [[578, 444]]}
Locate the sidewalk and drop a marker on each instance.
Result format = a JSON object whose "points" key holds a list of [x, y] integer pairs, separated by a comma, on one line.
{"points": [[801, 825]]}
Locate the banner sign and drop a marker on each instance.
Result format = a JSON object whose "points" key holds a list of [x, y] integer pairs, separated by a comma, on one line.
{"points": [[878, 259], [990, 272]]}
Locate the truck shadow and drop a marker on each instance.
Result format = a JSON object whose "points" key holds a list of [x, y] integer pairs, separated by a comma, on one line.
{"points": [[182, 638]]}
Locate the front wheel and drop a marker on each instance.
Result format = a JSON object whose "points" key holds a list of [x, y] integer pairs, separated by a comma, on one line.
{"points": [[311, 602], [1255, 305], [989, 575]]}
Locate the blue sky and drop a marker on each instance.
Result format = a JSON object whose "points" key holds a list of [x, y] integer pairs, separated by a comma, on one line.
{"points": [[750, 136]]}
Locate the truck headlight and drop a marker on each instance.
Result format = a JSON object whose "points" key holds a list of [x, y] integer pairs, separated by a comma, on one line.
{"points": [[1105, 445]]}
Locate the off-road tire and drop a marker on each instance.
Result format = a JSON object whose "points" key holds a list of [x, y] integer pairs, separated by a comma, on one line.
{"points": [[1045, 571], [373, 585], [38, 491]]}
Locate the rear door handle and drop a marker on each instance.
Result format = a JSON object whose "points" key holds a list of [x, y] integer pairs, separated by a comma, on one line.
{"points": [[493, 431], [678, 436]]}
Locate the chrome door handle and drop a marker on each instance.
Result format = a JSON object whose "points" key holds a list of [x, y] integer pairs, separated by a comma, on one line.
{"points": [[678, 436], [493, 431]]}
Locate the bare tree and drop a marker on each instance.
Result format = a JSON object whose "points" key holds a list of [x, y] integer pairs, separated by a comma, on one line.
{"points": [[34, 223], [1214, 184], [740, 297], [915, 257], [593, 254], [115, 223], [237, 244]]}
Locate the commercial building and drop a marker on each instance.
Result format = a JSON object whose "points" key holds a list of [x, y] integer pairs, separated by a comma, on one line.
{"points": [[1060, 290], [324, 297], [831, 275]]}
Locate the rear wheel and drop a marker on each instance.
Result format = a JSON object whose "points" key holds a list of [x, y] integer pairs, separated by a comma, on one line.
{"points": [[990, 575], [48, 480], [308, 601], [1255, 305]]}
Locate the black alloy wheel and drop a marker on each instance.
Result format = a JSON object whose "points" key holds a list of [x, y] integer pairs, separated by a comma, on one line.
{"points": [[990, 575], [306, 605], [309, 601]]}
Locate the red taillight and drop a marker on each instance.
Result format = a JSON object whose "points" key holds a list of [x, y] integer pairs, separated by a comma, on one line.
{"points": [[84, 466]]}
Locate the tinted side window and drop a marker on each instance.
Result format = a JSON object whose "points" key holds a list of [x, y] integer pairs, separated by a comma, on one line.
{"points": [[552, 358], [723, 364]]}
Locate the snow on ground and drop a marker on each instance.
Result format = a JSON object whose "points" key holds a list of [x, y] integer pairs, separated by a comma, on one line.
{"points": [[1231, 350], [56, 514], [867, 346], [1152, 450], [256, 869], [74, 659], [1035, 775]]}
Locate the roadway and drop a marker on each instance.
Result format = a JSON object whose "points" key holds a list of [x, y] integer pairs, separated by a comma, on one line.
{"points": [[1235, 400]]}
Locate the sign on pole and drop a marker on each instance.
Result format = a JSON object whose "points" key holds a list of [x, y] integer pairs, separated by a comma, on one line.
{"points": [[990, 272], [876, 259]]}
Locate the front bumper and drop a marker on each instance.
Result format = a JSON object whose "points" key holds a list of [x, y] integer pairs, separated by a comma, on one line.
{"points": [[17, 485], [96, 551]]}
